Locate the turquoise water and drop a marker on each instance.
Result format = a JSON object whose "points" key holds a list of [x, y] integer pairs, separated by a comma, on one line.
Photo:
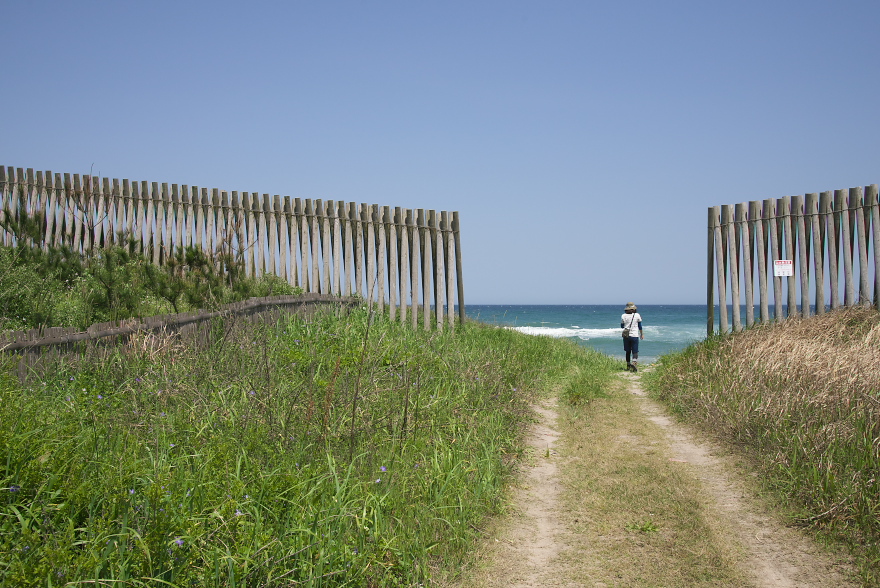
{"points": [[667, 328]]}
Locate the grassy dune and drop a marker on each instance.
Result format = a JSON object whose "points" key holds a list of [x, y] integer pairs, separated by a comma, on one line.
{"points": [[802, 399], [337, 451]]}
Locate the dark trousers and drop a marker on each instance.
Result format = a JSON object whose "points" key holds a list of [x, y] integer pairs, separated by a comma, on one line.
{"points": [[631, 347]]}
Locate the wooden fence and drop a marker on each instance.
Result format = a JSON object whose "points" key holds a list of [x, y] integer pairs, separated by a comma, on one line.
{"points": [[830, 240], [407, 259]]}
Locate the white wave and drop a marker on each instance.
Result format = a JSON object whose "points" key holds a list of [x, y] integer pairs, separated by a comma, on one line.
{"points": [[560, 332], [652, 332]]}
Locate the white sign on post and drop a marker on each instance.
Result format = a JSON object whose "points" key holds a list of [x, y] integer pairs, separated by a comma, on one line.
{"points": [[783, 268]]}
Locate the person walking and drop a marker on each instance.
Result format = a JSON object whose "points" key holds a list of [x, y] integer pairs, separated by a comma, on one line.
{"points": [[631, 323]]}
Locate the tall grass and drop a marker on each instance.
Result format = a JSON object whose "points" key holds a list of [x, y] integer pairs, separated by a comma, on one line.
{"points": [[344, 450], [803, 397]]}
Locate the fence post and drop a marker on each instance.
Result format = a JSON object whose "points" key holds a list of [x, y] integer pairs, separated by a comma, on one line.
{"points": [[720, 268], [393, 277], [790, 253], [415, 262], [459, 275], [336, 236], [381, 254], [710, 274], [746, 263], [439, 270], [871, 201], [350, 259], [811, 207], [367, 214], [424, 237], [450, 285], [403, 249], [856, 194], [803, 243], [841, 202], [728, 220], [756, 216]]}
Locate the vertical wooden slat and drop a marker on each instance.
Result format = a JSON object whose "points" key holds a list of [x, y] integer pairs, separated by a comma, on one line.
{"points": [[381, 254], [427, 270], [76, 213], [351, 277], [742, 214], [268, 236], [315, 233], [393, 273], [828, 226], [110, 213], [720, 267], [856, 201], [811, 207], [403, 239], [727, 216], [439, 272], [871, 201], [459, 274], [336, 211], [326, 245], [151, 223], [51, 209], [186, 216], [177, 218], [449, 247], [163, 224], [215, 225], [412, 268], [790, 253], [710, 274], [283, 243], [760, 252], [5, 191], [258, 238], [288, 227], [303, 224], [802, 229], [842, 205], [367, 215], [88, 212], [772, 234]]}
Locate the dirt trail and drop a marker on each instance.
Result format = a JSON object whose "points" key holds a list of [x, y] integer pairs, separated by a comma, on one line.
{"points": [[525, 550]]}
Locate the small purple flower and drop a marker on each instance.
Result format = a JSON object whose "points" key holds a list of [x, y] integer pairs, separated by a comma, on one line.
{"points": [[297, 341], [355, 551], [14, 488], [138, 380], [172, 445], [383, 468], [161, 414], [131, 491], [378, 480], [179, 542], [71, 378], [100, 397], [252, 393], [238, 513]]}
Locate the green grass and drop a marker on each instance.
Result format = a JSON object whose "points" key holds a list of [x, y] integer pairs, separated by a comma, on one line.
{"points": [[345, 450], [802, 400]]}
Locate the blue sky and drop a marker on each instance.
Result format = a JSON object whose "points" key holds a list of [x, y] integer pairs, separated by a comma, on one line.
{"points": [[581, 141]]}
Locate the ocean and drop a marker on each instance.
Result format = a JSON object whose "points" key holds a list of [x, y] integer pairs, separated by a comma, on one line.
{"points": [[667, 328]]}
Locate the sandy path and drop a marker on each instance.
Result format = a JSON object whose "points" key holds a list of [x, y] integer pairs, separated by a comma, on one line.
{"points": [[523, 550], [775, 556], [525, 546]]}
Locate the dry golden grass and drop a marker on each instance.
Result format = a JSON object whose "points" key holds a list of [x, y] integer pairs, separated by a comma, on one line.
{"points": [[802, 397], [640, 519]]}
